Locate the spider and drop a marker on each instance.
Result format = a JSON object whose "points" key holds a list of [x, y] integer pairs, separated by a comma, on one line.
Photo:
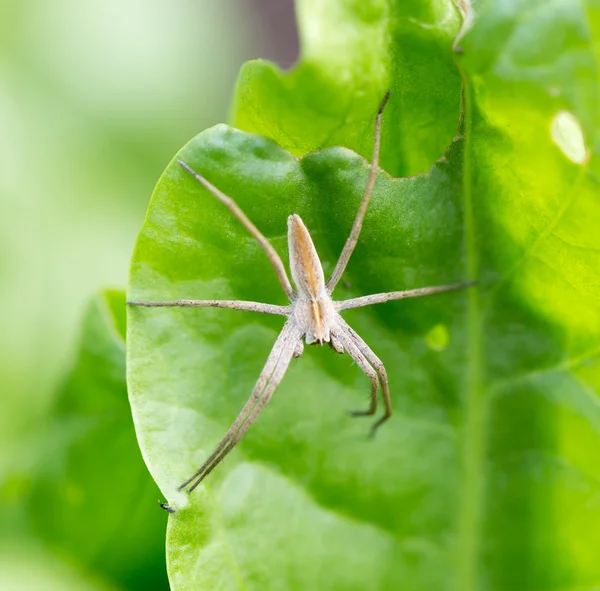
{"points": [[312, 315]]}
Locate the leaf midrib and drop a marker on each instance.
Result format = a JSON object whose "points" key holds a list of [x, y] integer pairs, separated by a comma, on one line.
{"points": [[472, 452]]}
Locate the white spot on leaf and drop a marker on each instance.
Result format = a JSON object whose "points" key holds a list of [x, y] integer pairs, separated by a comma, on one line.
{"points": [[568, 136]]}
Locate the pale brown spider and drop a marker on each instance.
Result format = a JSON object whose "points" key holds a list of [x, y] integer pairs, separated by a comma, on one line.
{"points": [[312, 314]]}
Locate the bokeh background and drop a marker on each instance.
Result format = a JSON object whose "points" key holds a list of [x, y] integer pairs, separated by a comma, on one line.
{"points": [[95, 98]]}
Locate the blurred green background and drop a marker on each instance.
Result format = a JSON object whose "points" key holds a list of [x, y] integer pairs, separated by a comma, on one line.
{"points": [[95, 98]]}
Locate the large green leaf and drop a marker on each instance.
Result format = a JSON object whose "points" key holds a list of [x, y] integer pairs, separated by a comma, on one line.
{"points": [[351, 53], [487, 477], [92, 498]]}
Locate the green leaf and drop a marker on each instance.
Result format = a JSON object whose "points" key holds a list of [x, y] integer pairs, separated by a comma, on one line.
{"points": [[92, 498], [351, 53], [487, 476]]}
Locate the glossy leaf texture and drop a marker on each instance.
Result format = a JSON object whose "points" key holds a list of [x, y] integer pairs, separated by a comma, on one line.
{"points": [[91, 498], [487, 476]]}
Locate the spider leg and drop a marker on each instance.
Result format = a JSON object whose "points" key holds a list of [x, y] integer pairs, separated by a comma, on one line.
{"points": [[270, 377], [231, 304], [266, 396], [377, 365], [336, 344], [340, 266], [237, 211], [345, 339], [380, 298], [299, 348]]}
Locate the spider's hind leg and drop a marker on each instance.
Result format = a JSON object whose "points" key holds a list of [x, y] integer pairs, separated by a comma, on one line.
{"points": [[344, 341], [374, 363]]}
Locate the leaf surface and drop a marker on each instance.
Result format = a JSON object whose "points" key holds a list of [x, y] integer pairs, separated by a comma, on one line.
{"points": [[352, 52], [487, 475]]}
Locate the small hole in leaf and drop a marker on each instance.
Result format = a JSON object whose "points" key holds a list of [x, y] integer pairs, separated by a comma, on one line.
{"points": [[438, 337], [568, 136]]}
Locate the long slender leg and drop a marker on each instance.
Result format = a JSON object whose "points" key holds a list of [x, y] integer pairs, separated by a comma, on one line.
{"points": [[379, 368], [236, 210], [380, 298], [354, 352], [268, 392], [272, 373], [362, 210], [232, 304]]}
